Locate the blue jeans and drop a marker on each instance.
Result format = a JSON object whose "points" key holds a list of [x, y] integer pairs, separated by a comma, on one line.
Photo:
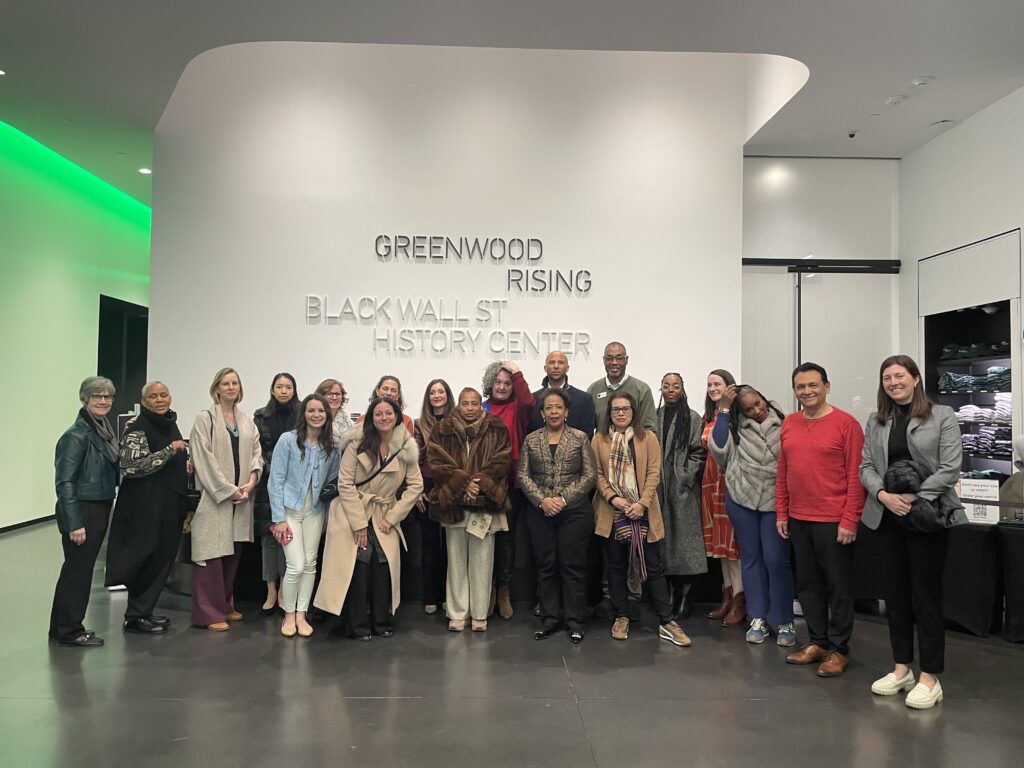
{"points": [[764, 556]]}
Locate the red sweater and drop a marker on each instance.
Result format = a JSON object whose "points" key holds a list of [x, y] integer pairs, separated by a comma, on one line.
{"points": [[819, 466], [515, 413]]}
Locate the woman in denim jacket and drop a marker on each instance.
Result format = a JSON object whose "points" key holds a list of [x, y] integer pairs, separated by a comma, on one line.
{"points": [[304, 460]]}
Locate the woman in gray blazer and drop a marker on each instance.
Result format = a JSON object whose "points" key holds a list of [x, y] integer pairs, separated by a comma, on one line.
{"points": [[909, 426]]}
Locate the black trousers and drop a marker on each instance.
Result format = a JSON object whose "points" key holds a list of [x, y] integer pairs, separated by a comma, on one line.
{"points": [[914, 564], [145, 589], [433, 560], [616, 558], [368, 602], [559, 546], [71, 596], [505, 541], [824, 582]]}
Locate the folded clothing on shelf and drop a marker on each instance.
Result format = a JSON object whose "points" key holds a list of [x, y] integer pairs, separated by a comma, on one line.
{"points": [[990, 441], [986, 474], [955, 351], [997, 379]]}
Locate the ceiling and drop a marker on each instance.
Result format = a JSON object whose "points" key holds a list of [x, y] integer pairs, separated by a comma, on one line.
{"points": [[91, 79]]}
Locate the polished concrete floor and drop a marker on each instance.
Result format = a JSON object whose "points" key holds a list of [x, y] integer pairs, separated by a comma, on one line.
{"points": [[426, 697]]}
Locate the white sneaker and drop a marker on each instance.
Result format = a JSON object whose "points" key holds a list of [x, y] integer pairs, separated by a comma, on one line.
{"points": [[890, 685], [923, 698]]}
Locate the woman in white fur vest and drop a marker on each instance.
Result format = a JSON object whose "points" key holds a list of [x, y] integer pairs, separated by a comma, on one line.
{"points": [[225, 450]]}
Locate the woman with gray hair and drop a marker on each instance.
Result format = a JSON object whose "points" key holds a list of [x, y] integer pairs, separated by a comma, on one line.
{"points": [[86, 480], [146, 530]]}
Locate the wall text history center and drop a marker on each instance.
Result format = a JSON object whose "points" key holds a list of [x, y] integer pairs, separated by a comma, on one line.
{"points": [[411, 326]]}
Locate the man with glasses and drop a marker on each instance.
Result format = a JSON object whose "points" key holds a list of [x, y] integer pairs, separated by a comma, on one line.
{"points": [[616, 380]]}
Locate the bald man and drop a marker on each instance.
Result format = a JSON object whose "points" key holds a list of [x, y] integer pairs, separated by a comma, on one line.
{"points": [[581, 407], [617, 380]]}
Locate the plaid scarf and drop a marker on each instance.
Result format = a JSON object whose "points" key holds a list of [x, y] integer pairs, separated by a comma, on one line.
{"points": [[622, 478]]}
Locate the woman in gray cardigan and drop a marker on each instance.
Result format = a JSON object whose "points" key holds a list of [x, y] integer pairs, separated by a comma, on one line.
{"points": [[908, 426], [745, 441]]}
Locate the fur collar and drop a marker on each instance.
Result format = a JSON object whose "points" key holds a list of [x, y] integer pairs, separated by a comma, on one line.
{"points": [[447, 425]]}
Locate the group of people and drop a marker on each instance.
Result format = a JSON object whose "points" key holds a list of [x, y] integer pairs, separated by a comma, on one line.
{"points": [[654, 490]]}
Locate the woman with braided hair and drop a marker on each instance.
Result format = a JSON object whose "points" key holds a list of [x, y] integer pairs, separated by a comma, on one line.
{"points": [[682, 462]]}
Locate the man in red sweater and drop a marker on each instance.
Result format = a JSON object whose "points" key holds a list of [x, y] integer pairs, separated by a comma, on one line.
{"points": [[818, 503], [509, 398]]}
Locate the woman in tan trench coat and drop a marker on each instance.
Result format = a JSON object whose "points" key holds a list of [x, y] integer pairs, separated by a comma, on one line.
{"points": [[362, 565]]}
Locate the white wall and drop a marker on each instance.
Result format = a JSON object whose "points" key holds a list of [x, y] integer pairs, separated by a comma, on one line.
{"points": [[279, 163], [963, 186], [829, 209], [65, 238]]}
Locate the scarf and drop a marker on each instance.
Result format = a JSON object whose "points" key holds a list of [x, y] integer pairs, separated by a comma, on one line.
{"points": [[280, 417], [622, 479], [106, 432], [467, 430]]}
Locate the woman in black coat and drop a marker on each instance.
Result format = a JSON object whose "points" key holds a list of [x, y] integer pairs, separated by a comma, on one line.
{"points": [[278, 416], [86, 481], [146, 530]]}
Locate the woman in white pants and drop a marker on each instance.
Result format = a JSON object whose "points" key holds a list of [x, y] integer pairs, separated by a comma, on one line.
{"points": [[304, 460], [469, 453]]}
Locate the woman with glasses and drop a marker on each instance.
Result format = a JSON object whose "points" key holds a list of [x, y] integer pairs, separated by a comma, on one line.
{"points": [[86, 481], [146, 529], [627, 513], [333, 391], [682, 460], [556, 473], [225, 448], [272, 420], [745, 441]]}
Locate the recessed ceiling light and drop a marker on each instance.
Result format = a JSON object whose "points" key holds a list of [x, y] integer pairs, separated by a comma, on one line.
{"points": [[943, 124], [2, 73], [145, 171], [875, 114], [894, 101], [917, 82]]}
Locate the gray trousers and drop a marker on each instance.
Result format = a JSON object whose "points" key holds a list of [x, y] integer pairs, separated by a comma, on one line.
{"points": [[470, 565], [274, 561]]}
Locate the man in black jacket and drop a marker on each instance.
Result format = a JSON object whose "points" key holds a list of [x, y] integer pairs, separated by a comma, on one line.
{"points": [[581, 408]]}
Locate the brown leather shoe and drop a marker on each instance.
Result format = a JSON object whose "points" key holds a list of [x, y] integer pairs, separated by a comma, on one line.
{"points": [[234, 616], [620, 629], [834, 665], [723, 608], [737, 612], [504, 603], [809, 654]]}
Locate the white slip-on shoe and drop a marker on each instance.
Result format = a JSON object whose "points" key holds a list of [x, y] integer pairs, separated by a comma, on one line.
{"points": [[890, 685], [921, 697]]}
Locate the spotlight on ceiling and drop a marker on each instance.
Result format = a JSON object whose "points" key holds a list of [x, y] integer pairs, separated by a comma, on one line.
{"points": [[145, 171], [943, 124], [894, 101], [2, 73], [917, 82]]}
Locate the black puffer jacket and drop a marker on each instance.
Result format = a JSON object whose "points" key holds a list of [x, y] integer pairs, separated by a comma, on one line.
{"points": [[273, 420], [925, 516]]}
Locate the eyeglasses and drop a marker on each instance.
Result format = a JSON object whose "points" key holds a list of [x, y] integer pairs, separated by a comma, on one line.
{"points": [[102, 397], [622, 408], [335, 395], [615, 358]]}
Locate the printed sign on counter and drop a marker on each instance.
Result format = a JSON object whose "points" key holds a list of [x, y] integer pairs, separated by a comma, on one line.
{"points": [[988, 490]]}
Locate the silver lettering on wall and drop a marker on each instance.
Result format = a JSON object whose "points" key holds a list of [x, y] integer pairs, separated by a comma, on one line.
{"points": [[440, 249]]}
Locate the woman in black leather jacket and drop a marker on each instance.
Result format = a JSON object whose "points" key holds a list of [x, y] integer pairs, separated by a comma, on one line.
{"points": [[86, 481]]}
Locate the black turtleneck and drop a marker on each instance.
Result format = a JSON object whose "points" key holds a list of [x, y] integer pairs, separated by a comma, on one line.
{"points": [[898, 449]]}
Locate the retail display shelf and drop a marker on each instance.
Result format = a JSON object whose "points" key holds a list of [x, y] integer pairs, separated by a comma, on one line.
{"points": [[986, 423], [976, 392], [957, 361], [994, 457]]}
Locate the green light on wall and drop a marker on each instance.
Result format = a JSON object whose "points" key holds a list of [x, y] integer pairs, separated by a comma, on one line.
{"points": [[41, 164]]}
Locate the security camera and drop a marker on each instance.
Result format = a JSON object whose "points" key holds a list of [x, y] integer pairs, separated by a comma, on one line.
{"points": [[851, 135]]}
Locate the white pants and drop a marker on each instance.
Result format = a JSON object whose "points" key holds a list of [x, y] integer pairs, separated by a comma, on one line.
{"points": [[470, 565], [300, 556]]}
